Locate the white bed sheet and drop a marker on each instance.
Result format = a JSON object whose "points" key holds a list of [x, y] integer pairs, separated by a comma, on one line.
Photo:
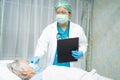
{"points": [[5, 73]]}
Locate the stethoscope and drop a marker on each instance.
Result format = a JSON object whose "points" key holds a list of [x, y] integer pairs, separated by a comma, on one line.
{"points": [[60, 35]]}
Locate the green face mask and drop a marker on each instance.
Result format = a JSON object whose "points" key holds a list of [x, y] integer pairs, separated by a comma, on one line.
{"points": [[60, 18]]}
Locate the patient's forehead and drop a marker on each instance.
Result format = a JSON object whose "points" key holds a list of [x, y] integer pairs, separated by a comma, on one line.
{"points": [[24, 62], [28, 69]]}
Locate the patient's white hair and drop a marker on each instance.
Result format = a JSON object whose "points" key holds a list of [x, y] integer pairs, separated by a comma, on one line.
{"points": [[16, 67]]}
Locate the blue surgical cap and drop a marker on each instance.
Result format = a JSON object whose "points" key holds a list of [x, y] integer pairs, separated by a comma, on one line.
{"points": [[64, 4]]}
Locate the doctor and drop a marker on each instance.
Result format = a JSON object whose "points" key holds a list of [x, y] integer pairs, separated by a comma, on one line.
{"points": [[62, 28]]}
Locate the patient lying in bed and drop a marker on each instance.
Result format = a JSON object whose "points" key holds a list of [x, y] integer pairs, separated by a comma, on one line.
{"points": [[22, 69]]}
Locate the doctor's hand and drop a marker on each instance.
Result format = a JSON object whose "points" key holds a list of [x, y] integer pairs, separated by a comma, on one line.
{"points": [[34, 60], [77, 54]]}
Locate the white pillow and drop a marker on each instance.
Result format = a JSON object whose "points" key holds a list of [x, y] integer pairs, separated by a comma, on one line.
{"points": [[5, 73]]}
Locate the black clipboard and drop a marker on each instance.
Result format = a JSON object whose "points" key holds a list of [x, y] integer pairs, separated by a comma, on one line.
{"points": [[65, 47]]}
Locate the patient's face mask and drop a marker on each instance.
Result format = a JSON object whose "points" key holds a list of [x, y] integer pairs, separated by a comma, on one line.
{"points": [[35, 67], [62, 18]]}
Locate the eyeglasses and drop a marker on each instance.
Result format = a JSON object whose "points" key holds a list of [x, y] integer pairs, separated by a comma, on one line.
{"points": [[61, 12]]}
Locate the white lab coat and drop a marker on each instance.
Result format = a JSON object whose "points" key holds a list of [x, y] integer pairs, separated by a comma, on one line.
{"points": [[47, 42]]}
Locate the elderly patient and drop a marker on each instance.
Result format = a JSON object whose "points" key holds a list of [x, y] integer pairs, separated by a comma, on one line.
{"points": [[27, 71]]}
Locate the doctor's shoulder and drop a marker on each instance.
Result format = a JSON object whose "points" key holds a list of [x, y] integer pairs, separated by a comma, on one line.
{"points": [[50, 26], [76, 26]]}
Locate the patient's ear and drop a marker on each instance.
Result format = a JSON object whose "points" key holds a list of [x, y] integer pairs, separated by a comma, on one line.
{"points": [[24, 73]]}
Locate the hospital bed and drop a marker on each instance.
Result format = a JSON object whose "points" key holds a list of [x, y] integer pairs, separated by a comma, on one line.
{"points": [[5, 74]]}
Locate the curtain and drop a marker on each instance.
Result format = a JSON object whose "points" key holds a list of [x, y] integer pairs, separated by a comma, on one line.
{"points": [[106, 38], [22, 22]]}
